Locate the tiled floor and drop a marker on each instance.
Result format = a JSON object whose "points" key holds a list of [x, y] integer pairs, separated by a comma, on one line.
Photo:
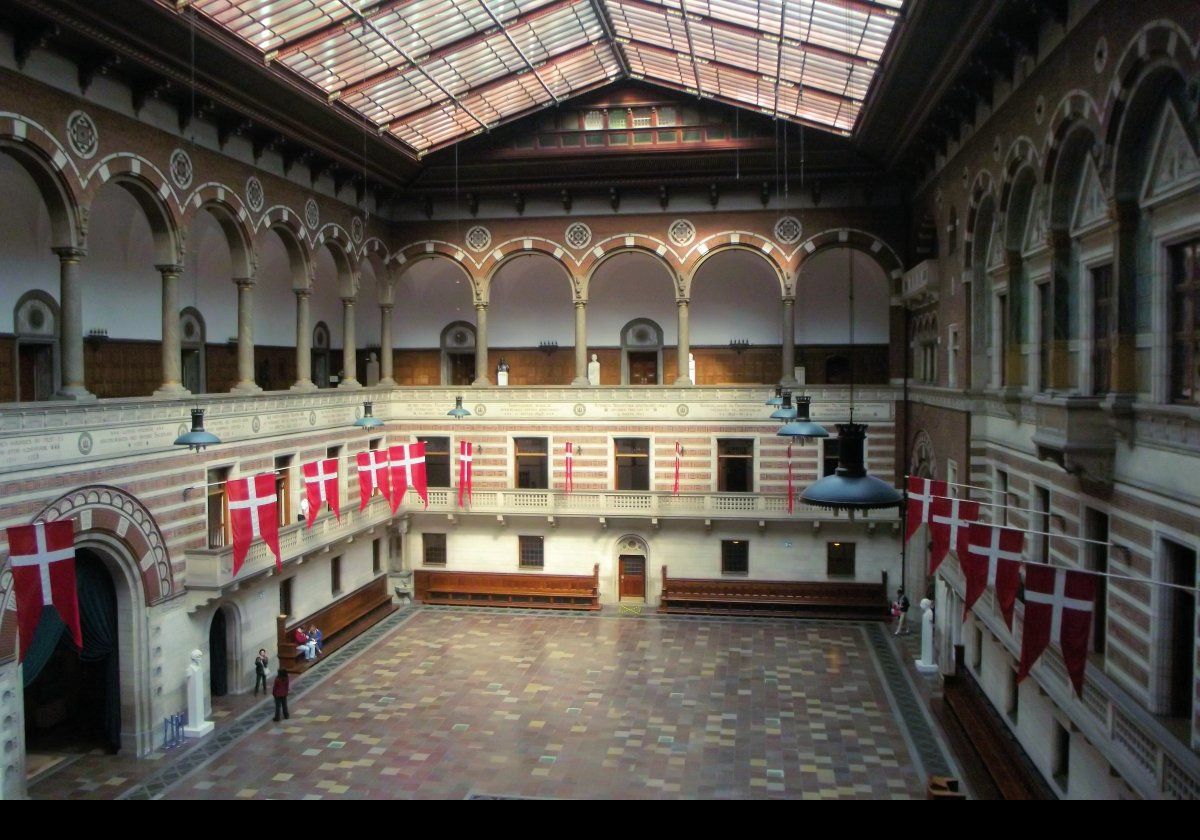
{"points": [[454, 703]]}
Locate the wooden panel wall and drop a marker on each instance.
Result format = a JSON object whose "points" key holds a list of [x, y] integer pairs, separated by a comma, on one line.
{"points": [[8, 370], [122, 368]]}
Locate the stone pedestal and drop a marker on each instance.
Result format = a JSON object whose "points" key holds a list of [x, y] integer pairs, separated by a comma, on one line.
{"points": [[197, 726], [926, 664]]}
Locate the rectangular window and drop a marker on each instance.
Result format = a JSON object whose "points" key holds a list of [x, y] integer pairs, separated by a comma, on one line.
{"points": [[829, 455], [374, 444], [618, 118], [1045, 334], [735, 557], [1177, 664], [643, 137], [433, 547], [376, 556], [1096, 525], [530, 552], [632, 468], [1103, 310], [1014, 696], [1184, 265], [952, 354], [839, 559], [667, 115], [218, 507], [593, 120], [977, 653], [285, 596], [1062, 755], [283, 488], [641, 117], [335, 575], [531, 463], [1002, 338], [952, 478], [437, 460], [1001, 497], [735, 466], [1041, 524]]}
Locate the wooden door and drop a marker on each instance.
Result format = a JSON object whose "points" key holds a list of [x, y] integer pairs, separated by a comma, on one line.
{"points": [[36, 376], [633, 576], [191, 370], [462, 368], [643, 368]]}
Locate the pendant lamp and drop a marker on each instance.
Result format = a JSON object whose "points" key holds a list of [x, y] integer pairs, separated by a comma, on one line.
{"points": [[801, 427], [785, 411], [368, 419], [458, 412], [197, 438]]}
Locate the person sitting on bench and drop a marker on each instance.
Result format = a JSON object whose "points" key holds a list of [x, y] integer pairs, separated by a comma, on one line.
{"points": [[305, 645], [316, 636]]}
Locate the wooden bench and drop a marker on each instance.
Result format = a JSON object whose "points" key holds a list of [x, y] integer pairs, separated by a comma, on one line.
{"points": [[806, 599], [494, 589], [340, 623], [998, 751]]}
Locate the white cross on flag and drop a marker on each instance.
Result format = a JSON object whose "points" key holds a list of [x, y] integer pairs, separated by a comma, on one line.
{"points": [[321, 487], [1058, 608], [253, 515], [372, 476], [466, 469], [948, 528], [42, 557], [407, 470], [569, 468], [921, 494], [993, 558]]}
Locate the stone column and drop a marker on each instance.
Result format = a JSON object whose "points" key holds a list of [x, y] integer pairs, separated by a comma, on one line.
{"points": [[385, 346], [303, 343], [685, 348], [481, 347], [245, 349], [581, 360], [1014, 361], [71, 327], [788, 357], [1122, 368], [349, 347], [172, 362]]}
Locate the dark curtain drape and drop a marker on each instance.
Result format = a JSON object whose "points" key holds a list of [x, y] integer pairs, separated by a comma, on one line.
{"points": [[98, 621], [217, 670], [49, 631]]}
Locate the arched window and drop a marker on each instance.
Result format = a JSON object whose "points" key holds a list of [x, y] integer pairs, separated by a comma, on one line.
{"points": [[458, 353], [641, 352]]}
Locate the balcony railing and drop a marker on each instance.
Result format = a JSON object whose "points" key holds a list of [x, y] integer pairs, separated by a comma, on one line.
{"points": [[921, 284]]}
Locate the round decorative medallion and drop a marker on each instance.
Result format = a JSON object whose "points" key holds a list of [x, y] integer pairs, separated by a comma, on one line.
{"points": [[312, 418], [787, 230], [460, 337], [578, 235], [356, 228], [1100, 56], [37, 317], [189, 329], [682, 410], [681, 232], [580, 409], [254, 194], [1039, 110], [478, 238], [181, 431], [480, 409], [181, 169], [85, 443], [82, 134], [312, 214], [255, 424]]}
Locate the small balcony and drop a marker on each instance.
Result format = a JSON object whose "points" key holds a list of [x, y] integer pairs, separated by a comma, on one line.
{"points": [[1077, 434], [920, 286]]}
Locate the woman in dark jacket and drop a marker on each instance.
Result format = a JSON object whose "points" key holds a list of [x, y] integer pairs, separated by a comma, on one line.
{"points": [[260, 671], [280, 692]]}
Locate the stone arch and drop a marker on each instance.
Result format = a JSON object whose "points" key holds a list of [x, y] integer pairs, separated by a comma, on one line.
{"points": [[146, 185], [234, 220], [632, 544], [290, 230], [606, 249], [1076, 107], [1078, 142], [737, 241], [1022, 155], [236, 671], [859, 240], [37, 152], [1018, 199], [405, 257], [506, 251], [1129, 137], [981, 189], [343, 262]]}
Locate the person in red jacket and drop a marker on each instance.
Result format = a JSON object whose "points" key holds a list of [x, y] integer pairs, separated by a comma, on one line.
{"points": [[280, 692], [305, 644]]}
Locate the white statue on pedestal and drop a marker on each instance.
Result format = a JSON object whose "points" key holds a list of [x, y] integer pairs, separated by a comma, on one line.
{"points": [[594, 371], [926, 664], [197, 726], [692, 368]]}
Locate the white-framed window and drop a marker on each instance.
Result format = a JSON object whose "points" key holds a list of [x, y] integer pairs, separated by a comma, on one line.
{"points": [[952, 477], [952, 354], [736, 458]]}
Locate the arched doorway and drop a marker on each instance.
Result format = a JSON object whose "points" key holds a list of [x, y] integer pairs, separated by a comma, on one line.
{"points": [[73, 695], [191, 344], [218, 660], [320, 355], [632, 561], [458, 354], [641, 353], [35, 324]]}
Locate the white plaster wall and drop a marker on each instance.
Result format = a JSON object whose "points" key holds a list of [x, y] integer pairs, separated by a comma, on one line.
{"points": [[326, 303], [122, 291], [531, 302], [25, 242], [573, 547], [822, 299], [628, 286], [430, 294], [735, 294], [366, 307], [207, 281], [274, 303]]}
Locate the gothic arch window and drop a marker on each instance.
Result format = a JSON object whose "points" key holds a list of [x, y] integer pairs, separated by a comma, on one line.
{"points": [[35, 350], [191, 347], [458, 353], [641, 352], [921, 463], [320, 355]]}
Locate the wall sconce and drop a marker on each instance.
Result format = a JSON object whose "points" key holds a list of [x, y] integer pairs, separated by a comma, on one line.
{"points": [[547, 346], [97, 334], [737, 345]]}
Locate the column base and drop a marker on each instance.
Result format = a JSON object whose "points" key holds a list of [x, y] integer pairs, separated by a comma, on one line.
{"points": [[482, 382], [200, 730], [246, 388], [581, 382], [788, 382], [349, 384], [683, 380], [75, 392], [304, 385], [169, 390], [387, 383], [925, 667]]}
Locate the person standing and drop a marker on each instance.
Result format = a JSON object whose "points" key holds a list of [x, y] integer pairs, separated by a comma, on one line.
{"points": [[280, 692], [261, 663], [900, 609], [303, 508]]}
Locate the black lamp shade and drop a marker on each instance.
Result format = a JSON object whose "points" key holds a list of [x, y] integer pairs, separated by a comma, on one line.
{"points": [[850, 487], [786, 410], [458, 412], [776, 400], [197, 438], [801, 426]]}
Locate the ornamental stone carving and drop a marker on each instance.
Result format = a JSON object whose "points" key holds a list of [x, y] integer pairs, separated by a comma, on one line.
{"points": [[681, 232], [82, 135], [312, 214], [788, 230], [478, 238], [578, 236], [255, 197]]}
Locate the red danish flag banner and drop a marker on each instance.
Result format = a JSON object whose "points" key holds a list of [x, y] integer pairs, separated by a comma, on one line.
{"points": [[1058, 608], [408, 471], [373, 475], [466, 470], [993, 558], [254, 515], [569, 468], [921, 494], [791, 488], [321, 486], [948, 528], [42, 557], [678, 458]]}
